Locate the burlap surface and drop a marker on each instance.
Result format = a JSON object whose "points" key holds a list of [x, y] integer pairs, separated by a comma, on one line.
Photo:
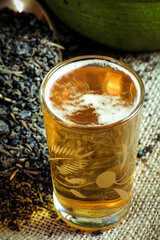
{"points": [[142, 220]]}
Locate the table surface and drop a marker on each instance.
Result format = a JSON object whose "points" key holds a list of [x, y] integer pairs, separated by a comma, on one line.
{"points": [[142, 220]]}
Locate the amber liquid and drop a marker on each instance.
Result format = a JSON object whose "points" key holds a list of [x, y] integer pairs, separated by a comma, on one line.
{"points": [[92, 159], [93, 96]]}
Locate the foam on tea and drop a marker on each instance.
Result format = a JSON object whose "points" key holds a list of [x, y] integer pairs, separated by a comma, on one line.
{"points": [[92, 96]]}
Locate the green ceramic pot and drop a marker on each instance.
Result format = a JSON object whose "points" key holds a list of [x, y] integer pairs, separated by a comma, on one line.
{"points": [[132, 25]]}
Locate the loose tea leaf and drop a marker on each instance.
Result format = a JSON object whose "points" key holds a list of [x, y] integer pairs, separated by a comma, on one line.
{"points": [[27, 52]]}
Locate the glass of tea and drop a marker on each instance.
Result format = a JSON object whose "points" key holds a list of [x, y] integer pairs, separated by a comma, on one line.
{"points": [[92, 110]]}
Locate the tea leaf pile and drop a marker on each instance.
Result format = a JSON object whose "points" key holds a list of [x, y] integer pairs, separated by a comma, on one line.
{"points": [[26, 55]]}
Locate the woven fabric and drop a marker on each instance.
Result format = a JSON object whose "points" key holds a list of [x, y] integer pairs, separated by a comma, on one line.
{"points": [[142, 220]]}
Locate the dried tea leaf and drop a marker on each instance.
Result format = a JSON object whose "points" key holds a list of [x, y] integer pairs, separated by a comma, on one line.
{"points": [[123, 194], [77, 194], [25, 167], [76, 180], [106, 179]]}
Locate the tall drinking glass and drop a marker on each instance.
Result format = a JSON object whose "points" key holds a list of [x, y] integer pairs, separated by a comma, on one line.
{"points": [[92, 110]]}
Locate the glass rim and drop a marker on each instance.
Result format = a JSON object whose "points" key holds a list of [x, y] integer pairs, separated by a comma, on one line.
{"points": [[64, 122]]}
